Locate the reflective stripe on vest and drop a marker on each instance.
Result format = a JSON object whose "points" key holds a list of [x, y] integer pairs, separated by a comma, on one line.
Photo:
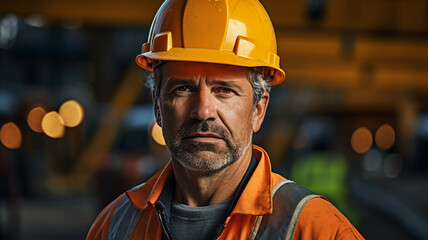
{"points": [[124, 220], [289, 199]]}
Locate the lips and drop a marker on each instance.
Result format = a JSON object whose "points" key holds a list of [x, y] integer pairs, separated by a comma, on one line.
{"points": [[203, 135]]}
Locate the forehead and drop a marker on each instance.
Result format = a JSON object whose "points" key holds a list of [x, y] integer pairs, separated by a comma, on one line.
{"points": [[192, 70]]}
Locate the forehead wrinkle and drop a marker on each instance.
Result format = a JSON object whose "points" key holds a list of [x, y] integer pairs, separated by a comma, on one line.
{"points": [[228, 78]]}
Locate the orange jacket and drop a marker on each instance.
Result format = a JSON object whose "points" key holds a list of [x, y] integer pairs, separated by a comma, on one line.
{"points": [[318, 220]]}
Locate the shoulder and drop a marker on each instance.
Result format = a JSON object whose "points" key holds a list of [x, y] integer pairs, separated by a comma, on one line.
{"points": [[99, 228], [320, 219]]}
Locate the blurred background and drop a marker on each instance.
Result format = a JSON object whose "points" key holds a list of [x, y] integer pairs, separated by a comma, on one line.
{"points": [[77, 125]]}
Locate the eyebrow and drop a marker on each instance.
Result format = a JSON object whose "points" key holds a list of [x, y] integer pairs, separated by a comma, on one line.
{"points": [[227, 83], [172, 82]]}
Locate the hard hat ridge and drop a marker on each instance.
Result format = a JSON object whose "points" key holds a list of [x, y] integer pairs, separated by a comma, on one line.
{"points": [[234, 32]]}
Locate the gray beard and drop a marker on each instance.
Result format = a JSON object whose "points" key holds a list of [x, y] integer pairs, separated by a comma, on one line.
{"points": [[185, 151]]}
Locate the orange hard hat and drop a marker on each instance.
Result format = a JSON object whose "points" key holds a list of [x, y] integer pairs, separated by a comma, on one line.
{"points": [[234, 32]]}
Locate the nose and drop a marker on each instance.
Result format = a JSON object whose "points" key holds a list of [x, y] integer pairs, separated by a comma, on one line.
{"points": [[204, 107]]}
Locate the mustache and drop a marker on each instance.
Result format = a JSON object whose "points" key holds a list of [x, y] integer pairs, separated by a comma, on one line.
{"points": [[203, 126]]}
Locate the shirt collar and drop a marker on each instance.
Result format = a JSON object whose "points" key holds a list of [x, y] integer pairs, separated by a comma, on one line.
{"points": [[256, 198], [149, 193]]}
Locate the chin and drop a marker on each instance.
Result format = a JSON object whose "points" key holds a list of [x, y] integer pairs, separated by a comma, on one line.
{"points": [[206, 162]]}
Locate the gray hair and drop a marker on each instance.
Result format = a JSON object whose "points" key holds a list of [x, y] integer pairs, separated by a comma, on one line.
{"points": [[259, 83]]}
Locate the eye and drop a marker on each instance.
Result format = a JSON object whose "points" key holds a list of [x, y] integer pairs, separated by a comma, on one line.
{"points": [[223, 90], [183, 89]]}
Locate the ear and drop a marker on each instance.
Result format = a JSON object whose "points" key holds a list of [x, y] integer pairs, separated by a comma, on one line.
{"points": [[260, 112], [156, 109]]}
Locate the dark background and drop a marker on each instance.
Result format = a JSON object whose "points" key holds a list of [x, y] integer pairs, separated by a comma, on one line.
{"points": [[349, 64]]}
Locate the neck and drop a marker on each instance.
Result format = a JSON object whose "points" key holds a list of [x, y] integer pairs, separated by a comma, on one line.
{"points": [[194, 188]]}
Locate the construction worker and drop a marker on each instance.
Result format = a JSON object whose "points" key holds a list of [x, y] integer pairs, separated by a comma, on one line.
{"points": [[210, 67]]}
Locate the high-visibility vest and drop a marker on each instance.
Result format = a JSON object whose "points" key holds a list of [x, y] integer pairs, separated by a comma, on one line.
{"points": [[289, 199]]}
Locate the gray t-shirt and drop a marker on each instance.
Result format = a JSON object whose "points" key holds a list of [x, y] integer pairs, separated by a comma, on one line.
{"points": [[197, 222]]}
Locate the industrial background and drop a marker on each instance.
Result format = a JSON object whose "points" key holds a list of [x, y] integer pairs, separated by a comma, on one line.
{"points": [[77, 126]]}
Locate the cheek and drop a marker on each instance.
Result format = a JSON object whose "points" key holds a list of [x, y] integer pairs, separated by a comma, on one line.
{"points": [[173, 114], [237, 118]]}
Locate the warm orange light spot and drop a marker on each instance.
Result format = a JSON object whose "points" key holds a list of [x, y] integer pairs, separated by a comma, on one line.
{"points": [[361, 140], [11, 136], [385, 137], [157, 134], [53, 125], [34, 119], [72, 113]]}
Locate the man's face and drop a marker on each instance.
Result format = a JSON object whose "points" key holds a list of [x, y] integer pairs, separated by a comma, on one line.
{"points": [[206, 113]]}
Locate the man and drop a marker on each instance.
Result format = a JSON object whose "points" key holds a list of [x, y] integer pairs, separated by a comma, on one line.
{"points": [[212, 64]]}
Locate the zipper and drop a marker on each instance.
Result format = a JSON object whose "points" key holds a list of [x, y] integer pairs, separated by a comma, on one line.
{"points": [[219, 231], [162, 220]]}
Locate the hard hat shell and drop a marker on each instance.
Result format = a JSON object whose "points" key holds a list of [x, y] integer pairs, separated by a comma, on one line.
{"points": [[234, 32]]}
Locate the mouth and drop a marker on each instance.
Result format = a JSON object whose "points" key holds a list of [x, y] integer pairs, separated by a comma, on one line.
{"points": [[204, 137]]}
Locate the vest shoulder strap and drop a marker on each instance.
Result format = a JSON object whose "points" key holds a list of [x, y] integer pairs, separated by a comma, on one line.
{"points": [[289, 199], [124, 220]]}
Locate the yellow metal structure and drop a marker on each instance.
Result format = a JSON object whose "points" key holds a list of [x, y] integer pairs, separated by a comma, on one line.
{"points": [[216, 31]]}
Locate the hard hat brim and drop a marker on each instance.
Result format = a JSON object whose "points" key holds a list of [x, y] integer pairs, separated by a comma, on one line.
{"points": [[209, 56]]}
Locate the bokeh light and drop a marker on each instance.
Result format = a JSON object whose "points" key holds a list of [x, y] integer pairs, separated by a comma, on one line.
{"points": [[34, 119], [11, 136], [372, 161], [53, 125], [72, 113], [393, 166], [157, 134], [361, 140], [385, 137]]}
